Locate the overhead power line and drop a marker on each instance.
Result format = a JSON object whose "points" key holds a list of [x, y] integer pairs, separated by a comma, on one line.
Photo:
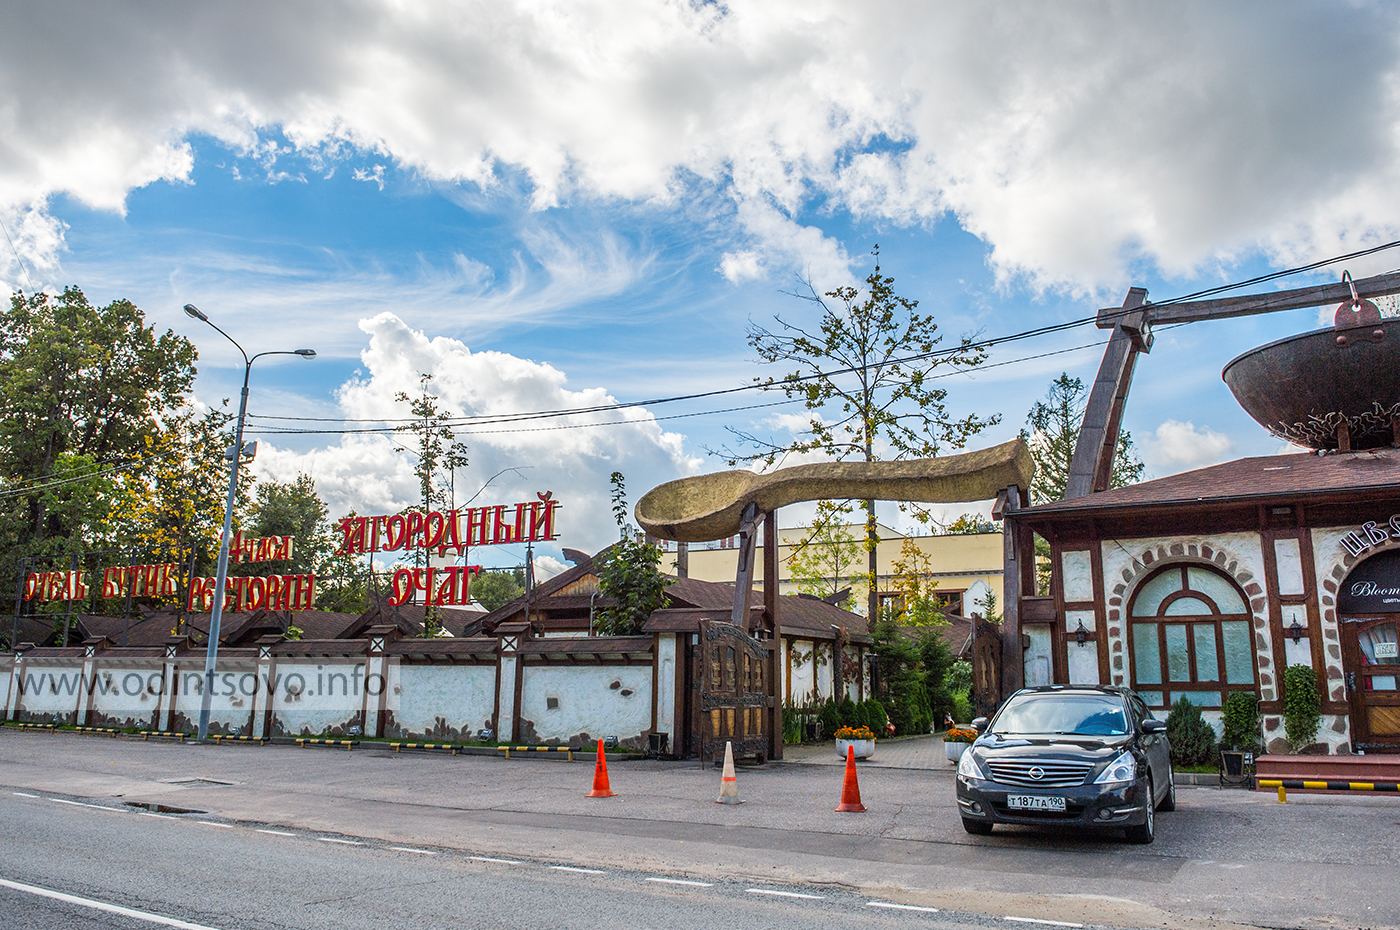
{"points": [[504, 419]]}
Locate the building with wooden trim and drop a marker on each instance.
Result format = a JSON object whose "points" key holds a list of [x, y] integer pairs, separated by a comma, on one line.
{"points": [[965, 566], [1216, 580]]}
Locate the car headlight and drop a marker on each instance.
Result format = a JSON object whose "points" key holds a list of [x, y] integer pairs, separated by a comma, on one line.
{"points": [[1122, 770], [968, 768]]}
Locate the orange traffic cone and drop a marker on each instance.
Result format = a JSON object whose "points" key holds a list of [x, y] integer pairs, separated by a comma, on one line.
{"points": [[850, 790], [601, 788]]}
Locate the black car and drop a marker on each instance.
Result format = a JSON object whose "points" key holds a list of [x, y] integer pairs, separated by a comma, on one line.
{"points": [[1075, 755]]}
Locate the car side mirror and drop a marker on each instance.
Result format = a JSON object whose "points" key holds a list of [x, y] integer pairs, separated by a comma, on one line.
{"points": [[980, 724], [1154, 726]]}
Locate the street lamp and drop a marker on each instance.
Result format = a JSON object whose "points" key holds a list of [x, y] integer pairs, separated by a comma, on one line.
{"points": [[216, 614]]}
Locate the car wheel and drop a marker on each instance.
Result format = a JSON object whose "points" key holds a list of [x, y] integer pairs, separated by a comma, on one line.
{"points": [[976, 827], [1169, 802], [1144, 832]]}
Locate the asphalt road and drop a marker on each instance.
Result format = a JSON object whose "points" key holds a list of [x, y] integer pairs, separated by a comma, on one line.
{"points": [[1223, 858], [206, 873]]}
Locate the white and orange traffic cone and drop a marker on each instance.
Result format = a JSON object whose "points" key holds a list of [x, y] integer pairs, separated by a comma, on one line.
{"points": [[728, 784]]}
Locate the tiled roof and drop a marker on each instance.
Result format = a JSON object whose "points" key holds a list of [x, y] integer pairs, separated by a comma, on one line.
{"points": [[1257, 478]]}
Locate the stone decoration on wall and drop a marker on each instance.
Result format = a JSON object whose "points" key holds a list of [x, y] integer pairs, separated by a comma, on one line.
{"points": [[1127, 563]]}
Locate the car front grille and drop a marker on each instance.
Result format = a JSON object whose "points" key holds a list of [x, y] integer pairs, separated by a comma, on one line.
{"points": [[1052, 774]]}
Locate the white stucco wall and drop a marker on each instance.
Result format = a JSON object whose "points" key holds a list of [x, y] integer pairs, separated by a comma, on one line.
{"points": [[824, 654], [312, 699], [804, 681], [1128, 562], [590, 702], [438, 703], [50, 688], [126, 693]]}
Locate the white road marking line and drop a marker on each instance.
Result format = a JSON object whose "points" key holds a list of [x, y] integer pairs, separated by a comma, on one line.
{"points": [[424, 852], [501, 861], [23, 795], [277, 833], [681, 881], [328, 839], [569, 868], [902, 907], [154, 814], [787, 894], [103, 906], [210, 823], [99, 807], [1037, 920]]}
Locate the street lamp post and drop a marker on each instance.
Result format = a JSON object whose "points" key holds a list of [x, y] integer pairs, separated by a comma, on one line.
{"points": [[216, 614]]}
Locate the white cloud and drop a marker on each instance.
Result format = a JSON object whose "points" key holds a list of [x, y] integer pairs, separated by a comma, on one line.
{"points": [[741, 266], [1177, 446], [564, 455], [1074, 139], [547, 567]]}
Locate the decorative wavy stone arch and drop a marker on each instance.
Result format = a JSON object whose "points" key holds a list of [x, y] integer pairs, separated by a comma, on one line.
{"points": [[1327, 601], [1208, 556]]}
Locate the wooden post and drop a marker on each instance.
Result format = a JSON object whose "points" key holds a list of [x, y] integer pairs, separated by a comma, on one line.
{"points": [[1008, 502], [771, 580], [1092, 465], [743, 574]]}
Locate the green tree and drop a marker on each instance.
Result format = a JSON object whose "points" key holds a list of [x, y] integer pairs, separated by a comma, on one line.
{"points": [[436, 451], [901, 682], [293, 509], [968, 524], [172, 509], [1054, 431], [629, 573], [492, 589], [1054, 425], [826, 554], [84, 381], [864, 373]]}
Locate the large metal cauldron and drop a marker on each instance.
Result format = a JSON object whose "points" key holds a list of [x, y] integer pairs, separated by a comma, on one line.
{"points": [[1329, 389]]}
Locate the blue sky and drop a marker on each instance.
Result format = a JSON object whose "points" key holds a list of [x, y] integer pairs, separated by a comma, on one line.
{"points": [[551, 205]]}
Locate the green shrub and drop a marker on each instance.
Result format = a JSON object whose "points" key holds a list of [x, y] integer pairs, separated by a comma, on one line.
{"points": [[875, 716], [962, 707], [830, 718], [849, 714], [1192, 738], [938, 661], [1241, 722], [1302, 708], [959, 677], [792, 725]]}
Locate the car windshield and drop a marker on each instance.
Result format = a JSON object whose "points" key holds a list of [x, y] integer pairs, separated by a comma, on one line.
{"points": [[1062, 715]]}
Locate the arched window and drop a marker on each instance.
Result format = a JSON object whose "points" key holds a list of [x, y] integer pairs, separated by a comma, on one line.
{"points": [[1189, 636]]}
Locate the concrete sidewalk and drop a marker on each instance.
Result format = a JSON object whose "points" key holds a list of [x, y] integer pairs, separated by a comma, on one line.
{"points": [[1225, 857], [903, 752]]}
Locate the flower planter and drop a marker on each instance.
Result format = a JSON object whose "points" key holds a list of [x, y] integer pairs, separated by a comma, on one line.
{"points": [[865, 748], [954, 751]]}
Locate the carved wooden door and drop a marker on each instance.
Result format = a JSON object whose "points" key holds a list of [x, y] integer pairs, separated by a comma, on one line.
{"points": [[734, 699], [1372, 661], [986, 667]]}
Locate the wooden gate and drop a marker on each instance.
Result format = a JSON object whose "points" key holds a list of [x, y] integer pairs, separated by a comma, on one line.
{"points": [[734, 700], [986, 667]]}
